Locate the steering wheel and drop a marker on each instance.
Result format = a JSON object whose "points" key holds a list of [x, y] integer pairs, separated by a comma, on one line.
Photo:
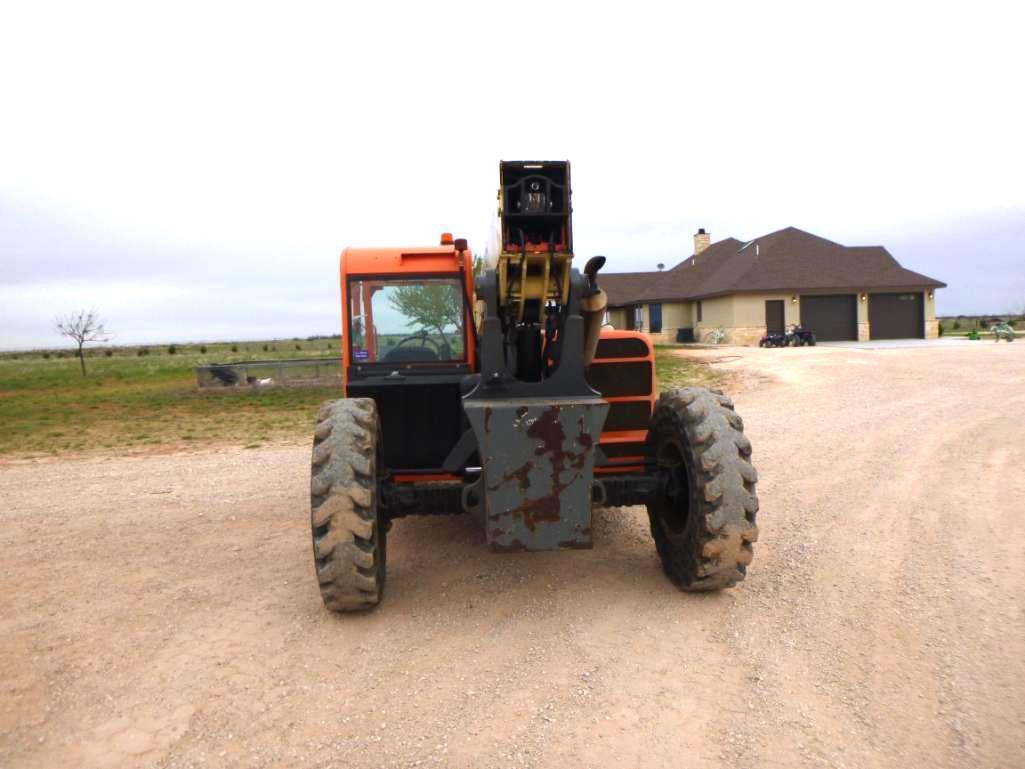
{"points": [[424, 340]]}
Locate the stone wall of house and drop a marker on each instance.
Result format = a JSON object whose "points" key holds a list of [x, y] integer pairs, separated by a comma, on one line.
{"points": [[864, 330], [715, 313], [749, 309], [617, 317], [742, 316], [932, 325], [663, 337], [745, 336]]}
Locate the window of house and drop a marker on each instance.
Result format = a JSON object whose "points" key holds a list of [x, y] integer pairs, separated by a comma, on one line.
{"points": [[638, 318], [699, 310], [655, 318]]}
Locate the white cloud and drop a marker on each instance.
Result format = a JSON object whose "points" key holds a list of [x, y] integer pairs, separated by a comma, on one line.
{"points": [[265, 137]]}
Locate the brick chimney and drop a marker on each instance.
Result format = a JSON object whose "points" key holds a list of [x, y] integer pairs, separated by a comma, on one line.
{"points": [[702, 240]]}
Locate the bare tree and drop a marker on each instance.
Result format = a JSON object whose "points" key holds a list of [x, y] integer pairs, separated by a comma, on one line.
{"points": [[82, 327]]}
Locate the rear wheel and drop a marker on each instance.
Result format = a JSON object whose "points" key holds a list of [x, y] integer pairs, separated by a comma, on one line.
{"points": [[348, 536], [703, 515]]}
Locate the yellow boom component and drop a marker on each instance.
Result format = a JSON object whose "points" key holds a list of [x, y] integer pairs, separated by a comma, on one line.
{"points": [[534, 250]]}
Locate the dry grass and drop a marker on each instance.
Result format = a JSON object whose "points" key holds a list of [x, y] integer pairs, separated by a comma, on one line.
{"points": [[674, 370], [132, 403]]}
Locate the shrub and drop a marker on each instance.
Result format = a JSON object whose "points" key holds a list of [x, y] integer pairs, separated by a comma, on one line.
{"points": [[46, 355], [266, 347], [142, 351], [202, 349], [298, 347], [172, 349], [234, 348], [62, 354], [957, 325], [109, 353], [940, 327]]}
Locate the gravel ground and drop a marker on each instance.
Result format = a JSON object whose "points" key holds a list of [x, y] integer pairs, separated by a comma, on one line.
{"points": [[161, 611]]}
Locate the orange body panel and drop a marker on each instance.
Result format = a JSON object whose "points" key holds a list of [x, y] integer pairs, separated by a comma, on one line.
{"points": [[628, 436]]}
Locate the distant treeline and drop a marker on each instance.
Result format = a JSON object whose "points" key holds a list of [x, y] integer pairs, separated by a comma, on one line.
{"points": [[315, 344]]}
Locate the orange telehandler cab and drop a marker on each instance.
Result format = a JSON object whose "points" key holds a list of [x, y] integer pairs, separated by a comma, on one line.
{"points": [[502, 396]]}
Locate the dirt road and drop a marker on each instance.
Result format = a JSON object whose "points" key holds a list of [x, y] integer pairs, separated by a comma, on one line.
{"points": [[162, 611]]}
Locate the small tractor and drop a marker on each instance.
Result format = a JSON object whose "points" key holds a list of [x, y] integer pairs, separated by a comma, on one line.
{"points": [[503, 396]]}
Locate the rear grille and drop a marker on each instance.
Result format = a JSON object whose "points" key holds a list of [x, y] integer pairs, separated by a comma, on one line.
{"points": [[622, 348], [628, 415], [616, 380]]}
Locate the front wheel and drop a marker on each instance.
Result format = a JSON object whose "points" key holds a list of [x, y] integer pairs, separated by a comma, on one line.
{"points": [[348, 536], [703, 514]]}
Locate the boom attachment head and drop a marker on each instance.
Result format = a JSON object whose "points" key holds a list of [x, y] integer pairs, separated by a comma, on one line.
{"points": [[532, 260]]}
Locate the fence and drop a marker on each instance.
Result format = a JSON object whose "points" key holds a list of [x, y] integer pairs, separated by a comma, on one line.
{"points": [[309, 372]]}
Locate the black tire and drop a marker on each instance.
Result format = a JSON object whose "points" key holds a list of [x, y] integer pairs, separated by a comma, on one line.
{"points": [[349, 540], [811, 340], [703, 517]]}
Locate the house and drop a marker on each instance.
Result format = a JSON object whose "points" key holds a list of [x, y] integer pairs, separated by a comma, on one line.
{"points": [[789, 276]]}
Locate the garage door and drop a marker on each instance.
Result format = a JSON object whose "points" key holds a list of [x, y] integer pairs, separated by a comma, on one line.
{"points": [[896, 316], [831, 317]]}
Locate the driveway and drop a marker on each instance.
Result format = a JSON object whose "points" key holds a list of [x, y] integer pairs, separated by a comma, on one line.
{"points": [[161, 611], [907, 344]]}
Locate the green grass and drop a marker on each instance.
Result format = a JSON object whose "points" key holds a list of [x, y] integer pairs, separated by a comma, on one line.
{"points": [[965, 324], [130, 404], [673, 370], [133, 403]]}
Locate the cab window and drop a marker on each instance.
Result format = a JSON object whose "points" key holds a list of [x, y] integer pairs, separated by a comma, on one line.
{"points": [[406, 321]]}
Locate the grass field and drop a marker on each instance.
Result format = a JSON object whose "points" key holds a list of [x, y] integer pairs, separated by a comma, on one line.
{"points": [[130, 402], [963, 325], [135, 404]]}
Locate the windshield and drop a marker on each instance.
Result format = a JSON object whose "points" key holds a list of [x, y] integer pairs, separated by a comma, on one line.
{"points": [[406, 321]]}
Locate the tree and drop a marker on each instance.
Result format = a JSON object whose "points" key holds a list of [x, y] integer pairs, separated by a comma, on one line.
{"points": [[82, 327], [433, 305], [660, 266]]}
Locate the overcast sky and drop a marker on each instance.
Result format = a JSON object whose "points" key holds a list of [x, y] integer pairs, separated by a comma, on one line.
{"points": [[192, 170]]}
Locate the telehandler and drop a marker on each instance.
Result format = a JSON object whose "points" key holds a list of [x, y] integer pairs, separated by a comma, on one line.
{"points": [[504, 397]]}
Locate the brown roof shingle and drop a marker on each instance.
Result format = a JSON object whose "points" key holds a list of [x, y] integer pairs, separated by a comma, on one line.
{"points": [[786, 260], [623, 287]]}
